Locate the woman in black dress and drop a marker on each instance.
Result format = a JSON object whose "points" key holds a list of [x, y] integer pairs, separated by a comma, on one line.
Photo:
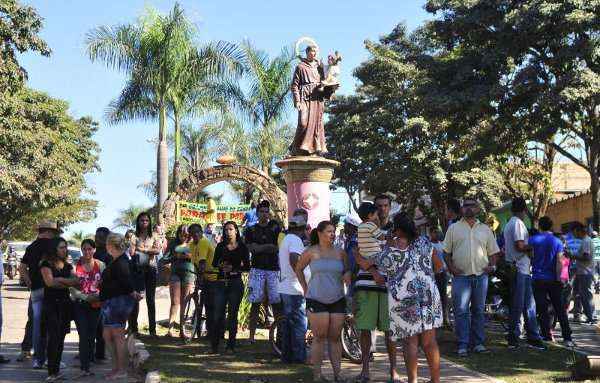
{"points": [[58, 276], [232, 258]]}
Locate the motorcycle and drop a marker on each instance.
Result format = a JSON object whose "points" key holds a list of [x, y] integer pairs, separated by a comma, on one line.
{"points": [[10, 267]]}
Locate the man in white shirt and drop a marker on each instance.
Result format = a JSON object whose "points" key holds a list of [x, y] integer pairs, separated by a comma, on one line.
{"points": [[517, 250], [293, 331]]}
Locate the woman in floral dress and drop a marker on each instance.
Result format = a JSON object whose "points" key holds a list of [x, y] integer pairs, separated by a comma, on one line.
{"points": [[414, 301]]}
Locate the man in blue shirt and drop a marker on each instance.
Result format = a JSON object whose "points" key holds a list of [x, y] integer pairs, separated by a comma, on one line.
{"points": [[547, 265]]}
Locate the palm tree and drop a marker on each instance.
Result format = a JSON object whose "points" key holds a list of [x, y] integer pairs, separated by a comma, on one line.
{"points": [[77, 237], [160, 57], [127, 216], [265, 101], [195, 95]]}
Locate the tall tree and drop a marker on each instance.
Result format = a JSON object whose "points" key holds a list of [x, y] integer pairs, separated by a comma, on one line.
{"points": [[384, 137], [530, 68], [157, 53]]}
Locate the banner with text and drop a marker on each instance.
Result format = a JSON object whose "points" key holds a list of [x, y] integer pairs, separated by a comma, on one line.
{"points": [[189, 212]]}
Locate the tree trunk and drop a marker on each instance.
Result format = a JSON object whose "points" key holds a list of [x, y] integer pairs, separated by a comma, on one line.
{"points": [[177, 163], [593, 159], [162, 166]]}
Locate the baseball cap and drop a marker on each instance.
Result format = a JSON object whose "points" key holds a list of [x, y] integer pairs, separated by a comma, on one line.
{"points": [[353, 219]]}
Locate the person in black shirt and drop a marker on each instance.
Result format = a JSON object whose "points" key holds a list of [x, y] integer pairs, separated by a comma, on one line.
{"points": [[102, 255], [232, 258], [30, 272], [57, 275], [100, 239], [261, 240], [118, 300]]}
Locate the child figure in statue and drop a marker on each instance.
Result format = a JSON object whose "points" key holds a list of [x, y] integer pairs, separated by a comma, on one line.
{"points": [[332, 70]]}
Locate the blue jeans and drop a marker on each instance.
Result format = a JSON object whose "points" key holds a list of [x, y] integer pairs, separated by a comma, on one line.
{"points": [[586, 294], [523, 302], [293, 331], [86, 320], [468, 297], [39, 338]]}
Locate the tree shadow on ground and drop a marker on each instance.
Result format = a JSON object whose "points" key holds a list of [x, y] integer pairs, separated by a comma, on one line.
{"points": [[522, 365], [179, 362]]}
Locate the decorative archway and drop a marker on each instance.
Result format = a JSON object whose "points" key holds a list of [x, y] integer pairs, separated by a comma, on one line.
{"points": [[234, 172]]}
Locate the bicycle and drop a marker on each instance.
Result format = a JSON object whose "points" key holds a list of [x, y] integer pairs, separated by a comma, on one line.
{"points": [[194, 314], [350, 339]]}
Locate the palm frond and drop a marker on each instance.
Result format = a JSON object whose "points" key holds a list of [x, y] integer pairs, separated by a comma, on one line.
{"points": [[134, 103], [117, 46]]}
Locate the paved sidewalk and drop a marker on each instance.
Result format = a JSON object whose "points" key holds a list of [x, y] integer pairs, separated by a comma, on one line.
{"points": [[450, 371], [14, 301]]}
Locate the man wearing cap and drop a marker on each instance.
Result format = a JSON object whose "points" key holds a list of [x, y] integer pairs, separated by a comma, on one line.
{"points": [[472, 250], [30, 270], [293, 346]]}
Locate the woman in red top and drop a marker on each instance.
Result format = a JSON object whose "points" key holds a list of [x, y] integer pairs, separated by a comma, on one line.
{"points": [[87, 303]]}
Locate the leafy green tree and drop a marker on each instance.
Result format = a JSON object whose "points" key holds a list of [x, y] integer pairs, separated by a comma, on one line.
{"points": [[386, 141], [44, 152], [159, 56], [44, 157], [19, 28], [530, 70]]}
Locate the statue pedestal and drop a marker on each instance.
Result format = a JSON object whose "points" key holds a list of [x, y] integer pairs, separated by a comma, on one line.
{"points": [[307, 179]]}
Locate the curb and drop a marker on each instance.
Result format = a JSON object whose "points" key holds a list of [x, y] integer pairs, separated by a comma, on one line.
{"points": [[138, 355]]}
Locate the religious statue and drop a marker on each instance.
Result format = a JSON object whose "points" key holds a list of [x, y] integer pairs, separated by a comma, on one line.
{"points": [[312, 84]]}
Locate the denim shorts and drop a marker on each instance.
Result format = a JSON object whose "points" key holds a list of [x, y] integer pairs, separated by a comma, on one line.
{"points": [[115, 311]]}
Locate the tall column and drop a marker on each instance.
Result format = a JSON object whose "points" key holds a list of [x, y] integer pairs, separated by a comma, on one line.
{"points": [[307, 179]]}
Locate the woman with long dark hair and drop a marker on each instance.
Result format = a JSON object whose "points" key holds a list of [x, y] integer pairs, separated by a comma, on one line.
{"points": [[409, 260], [232, 258], [58, 276], [87, 303], [325, 300], [181, 283], [145, 260]]}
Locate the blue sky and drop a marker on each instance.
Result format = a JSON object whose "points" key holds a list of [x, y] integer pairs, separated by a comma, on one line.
{"points": [[127, 156]]}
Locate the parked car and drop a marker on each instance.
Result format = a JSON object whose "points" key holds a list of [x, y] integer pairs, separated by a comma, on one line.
{"points": [[74, 253]]}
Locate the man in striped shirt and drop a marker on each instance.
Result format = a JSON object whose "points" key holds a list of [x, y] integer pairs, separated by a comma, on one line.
{"points": [[370, 292]]}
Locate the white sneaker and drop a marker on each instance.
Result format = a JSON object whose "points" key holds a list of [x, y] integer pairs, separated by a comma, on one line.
{"points": [[569, 344], [37, 365], [480, 349]]}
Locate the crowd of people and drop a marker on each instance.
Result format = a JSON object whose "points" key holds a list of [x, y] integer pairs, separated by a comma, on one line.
{"points": [[391, 273]]}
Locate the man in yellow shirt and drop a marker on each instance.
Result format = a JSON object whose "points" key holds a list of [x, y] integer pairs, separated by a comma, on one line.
{"points": [[202, 253], [472, 249]]}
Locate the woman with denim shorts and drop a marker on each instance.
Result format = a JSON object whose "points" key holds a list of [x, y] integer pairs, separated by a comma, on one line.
{"points": [[182, 280], [118, 300]]}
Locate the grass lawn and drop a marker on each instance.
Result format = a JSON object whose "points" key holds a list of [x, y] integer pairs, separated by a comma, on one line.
{"points": [[178, 362], [525, 365]]}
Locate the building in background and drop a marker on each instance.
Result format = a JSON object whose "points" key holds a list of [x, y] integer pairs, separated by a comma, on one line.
{"points": [[571, 200]]}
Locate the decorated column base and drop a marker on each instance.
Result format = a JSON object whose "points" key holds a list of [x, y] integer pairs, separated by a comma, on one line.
{"points": [[307, 179]]}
